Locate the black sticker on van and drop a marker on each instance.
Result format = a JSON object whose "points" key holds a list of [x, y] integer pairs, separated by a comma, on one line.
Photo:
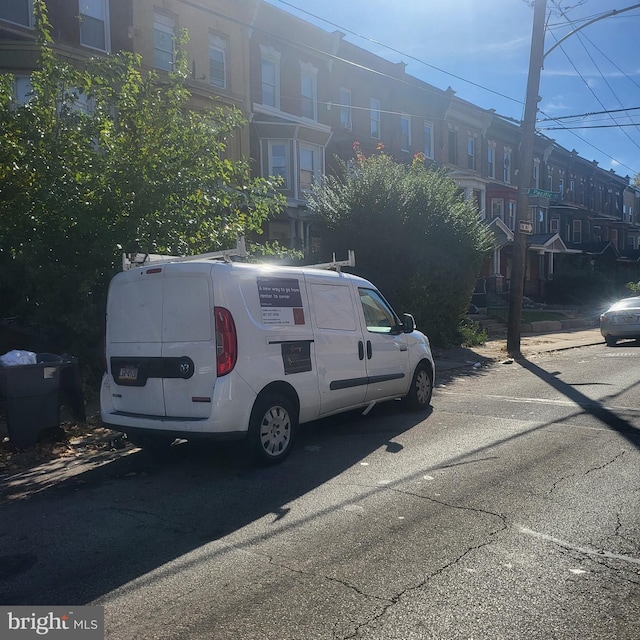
{"points": [[280, 301], [296, 356]]}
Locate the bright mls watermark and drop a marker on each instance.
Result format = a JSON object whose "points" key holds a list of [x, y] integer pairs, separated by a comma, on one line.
{"points": [[25, 623]]}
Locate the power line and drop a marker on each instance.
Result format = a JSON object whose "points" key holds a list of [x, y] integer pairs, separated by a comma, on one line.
{"points": [[587, 115]]}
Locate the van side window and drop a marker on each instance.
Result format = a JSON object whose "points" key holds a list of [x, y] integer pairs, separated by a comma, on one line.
{"points": [[333, 307], [378, 316]]}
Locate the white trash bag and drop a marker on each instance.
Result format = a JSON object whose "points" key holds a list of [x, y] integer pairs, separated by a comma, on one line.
{"points": [[16, 358]]}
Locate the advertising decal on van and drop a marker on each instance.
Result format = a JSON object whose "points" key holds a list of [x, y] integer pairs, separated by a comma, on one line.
{"points": [[280, 301]]}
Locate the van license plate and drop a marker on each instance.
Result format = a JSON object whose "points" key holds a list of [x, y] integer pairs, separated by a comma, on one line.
{"points": [[128, 374]]}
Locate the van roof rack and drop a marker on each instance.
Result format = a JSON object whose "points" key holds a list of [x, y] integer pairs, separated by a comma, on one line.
{"points": [[133, 260], [336, 264]]}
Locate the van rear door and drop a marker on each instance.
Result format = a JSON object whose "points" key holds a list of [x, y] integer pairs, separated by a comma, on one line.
{"points": [[160, 340], [134, 341], [188, 340]]}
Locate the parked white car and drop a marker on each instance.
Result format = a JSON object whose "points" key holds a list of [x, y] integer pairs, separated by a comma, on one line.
{"points": [[621, 320], [227, 350]]}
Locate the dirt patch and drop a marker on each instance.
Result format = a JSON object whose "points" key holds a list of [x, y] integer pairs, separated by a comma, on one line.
{"points": [[71, 440]]}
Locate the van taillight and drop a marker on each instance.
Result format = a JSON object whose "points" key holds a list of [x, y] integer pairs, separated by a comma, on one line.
{"points": [[226, 341]]}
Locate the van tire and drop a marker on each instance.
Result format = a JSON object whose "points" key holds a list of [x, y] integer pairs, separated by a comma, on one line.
{"points": [[272, 428], [421, 390]]}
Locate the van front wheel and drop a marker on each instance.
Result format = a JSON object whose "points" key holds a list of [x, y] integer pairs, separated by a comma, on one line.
{"points": [[419, 396], [272, 428]]}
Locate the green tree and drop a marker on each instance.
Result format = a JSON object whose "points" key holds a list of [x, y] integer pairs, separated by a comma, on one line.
{"points": [[104, 159], [413, 234]]}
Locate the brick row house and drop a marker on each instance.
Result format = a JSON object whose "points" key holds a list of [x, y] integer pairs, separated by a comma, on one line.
{"points": [[308, 95]]}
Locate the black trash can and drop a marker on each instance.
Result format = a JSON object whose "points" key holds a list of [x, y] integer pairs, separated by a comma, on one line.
{"points": [[31, 395]]}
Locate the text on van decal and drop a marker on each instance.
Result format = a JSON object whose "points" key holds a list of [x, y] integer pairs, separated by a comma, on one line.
{"points": [[280, 301]]}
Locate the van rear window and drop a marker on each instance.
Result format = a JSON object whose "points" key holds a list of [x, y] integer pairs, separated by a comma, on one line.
{"points": [[187, 310]]}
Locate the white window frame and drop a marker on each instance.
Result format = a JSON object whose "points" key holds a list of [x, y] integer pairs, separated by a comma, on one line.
{"points": [[374, 118], [536, 173], [405, 132], [309, 91], [25, 5], [541, 222], [511, 215], [163, 23], [491, 160], [554, 225], [497, 208], [471, 153], [22, 89], [561, 188], [576, 231], [218, 46], [346, 123], [286, 165], [272, 57], [506, 166], [316, 155], [427, 131], [95, 10]]}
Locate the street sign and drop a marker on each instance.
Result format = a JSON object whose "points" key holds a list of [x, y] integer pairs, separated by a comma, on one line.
{"points": [[526, 226], [540, 193]]}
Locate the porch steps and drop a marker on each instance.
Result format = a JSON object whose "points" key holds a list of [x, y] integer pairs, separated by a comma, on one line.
{"points": [[494, 327]]}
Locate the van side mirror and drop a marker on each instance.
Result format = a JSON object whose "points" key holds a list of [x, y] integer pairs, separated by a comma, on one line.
{"points": [[408, 323]]}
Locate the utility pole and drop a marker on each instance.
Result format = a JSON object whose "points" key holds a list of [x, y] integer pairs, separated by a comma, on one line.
{"points": [[525, 168]]}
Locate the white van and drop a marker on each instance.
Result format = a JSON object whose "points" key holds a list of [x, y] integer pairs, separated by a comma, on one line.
{"points": [[225, 349]]}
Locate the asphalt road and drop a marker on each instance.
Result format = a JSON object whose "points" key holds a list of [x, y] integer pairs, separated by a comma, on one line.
{"points": [[511, 511]]}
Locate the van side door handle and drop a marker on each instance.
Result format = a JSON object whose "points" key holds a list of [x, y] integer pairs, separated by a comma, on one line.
{"points": [[360, 350], [369, 350]]}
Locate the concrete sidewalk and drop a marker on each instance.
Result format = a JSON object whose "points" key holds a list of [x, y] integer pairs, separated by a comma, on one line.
{"points": [[495, 350]]}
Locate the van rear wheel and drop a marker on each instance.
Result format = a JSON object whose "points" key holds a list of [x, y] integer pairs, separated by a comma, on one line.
{"points": [[419, 396], [272, 428]]}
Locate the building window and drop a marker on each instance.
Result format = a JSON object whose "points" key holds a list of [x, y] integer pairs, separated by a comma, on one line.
{"points": [[506, 174], [374, 111], [550, 181], [453, 146], [497, 208], [164, 31], [405, 133], [614, 237], [542, 222], [217, 61], [561, 188], [94, 24], [345, 109], [536, 173], [22, 89], [427, 129], [597, 233], [577, 231], [309, 92], [279, 161], [471, 153], [270, 77], [309, 166], [511, 215], [491, 160], [554, 225], [17, 11]]}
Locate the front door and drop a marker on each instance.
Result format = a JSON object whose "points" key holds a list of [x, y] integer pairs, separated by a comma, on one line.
{"points": [[386, 350]]}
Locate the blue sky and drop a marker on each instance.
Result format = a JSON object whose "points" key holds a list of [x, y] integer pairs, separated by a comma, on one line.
{"points": [[480, 48]]}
